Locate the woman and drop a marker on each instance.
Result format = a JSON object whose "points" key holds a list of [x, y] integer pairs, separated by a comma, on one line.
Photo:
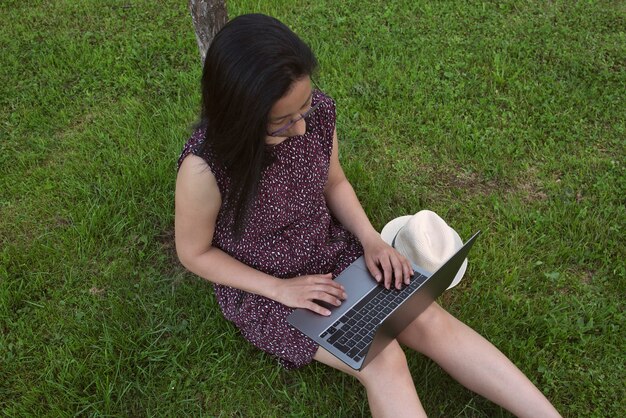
{"points": [[265, 212]]}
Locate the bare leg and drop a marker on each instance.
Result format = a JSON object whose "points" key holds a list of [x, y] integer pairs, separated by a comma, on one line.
{"points": [[387, 380], [475, 362]]}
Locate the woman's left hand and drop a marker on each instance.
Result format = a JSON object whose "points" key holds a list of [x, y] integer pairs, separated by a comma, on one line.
{"points": [[385, 263]]}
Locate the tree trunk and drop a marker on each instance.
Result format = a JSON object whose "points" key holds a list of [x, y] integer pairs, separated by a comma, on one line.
{"points": [[208, 17]]}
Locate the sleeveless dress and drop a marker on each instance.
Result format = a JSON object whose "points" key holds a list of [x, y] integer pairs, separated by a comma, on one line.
{"points": [[290, 233]]}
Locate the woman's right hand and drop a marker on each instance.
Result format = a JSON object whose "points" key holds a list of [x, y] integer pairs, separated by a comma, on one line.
{"points": [[307, 291]]}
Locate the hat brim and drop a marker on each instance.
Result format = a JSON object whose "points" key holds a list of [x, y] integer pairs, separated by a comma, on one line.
{"points": [[390, 230], [459, 275]]}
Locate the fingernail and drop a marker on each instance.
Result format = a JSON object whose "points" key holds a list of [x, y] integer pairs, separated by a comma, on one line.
{"points": [[327, 313], [344, 295], [378, 277]]}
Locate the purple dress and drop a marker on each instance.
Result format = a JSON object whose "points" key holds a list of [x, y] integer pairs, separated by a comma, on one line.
{"points": [[290, 233]]}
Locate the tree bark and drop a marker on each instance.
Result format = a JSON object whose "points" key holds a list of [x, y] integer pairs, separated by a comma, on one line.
{"points": [[208, 17]]}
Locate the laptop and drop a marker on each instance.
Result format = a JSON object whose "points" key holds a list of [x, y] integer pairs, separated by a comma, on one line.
{"points": [[372, 316]]}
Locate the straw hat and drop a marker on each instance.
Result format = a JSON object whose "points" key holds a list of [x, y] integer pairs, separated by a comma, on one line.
{"points": [[426, 240]]}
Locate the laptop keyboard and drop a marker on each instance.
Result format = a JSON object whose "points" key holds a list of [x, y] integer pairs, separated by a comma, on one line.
{"points": [[353, 332]]}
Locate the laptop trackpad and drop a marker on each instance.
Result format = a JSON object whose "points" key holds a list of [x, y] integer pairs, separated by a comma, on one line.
{"points": [[357, 281]]}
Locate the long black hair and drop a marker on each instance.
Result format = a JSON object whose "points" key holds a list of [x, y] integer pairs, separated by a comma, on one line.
{"points": [[251, 63]]}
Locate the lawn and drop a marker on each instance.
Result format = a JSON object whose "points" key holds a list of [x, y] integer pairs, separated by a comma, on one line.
{"points": [[504, 116]]}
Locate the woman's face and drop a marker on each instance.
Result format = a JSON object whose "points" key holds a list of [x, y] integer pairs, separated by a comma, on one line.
{"points": [[288, 108]]}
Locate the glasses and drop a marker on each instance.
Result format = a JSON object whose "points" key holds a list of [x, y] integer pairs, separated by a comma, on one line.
{"points": [[292, 122]]}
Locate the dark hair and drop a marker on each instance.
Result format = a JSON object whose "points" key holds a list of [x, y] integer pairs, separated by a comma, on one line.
{"points": [[251, 63]]}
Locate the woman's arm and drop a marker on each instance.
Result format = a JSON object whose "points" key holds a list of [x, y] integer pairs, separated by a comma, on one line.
{"points": [[198, 202], [345, 206]]}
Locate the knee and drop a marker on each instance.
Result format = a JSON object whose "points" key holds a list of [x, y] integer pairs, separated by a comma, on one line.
{"points": [[434, 320], [389, 362]]}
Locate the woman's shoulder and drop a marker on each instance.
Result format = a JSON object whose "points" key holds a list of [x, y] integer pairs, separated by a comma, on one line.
{"points": [[327, 101], [194, 144], [193, 166], [326, 113], [195, 173], [198, 145], [196, 176], [203, 161]]}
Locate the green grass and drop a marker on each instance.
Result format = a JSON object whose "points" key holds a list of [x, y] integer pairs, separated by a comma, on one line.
{"points": [[501, 116]]}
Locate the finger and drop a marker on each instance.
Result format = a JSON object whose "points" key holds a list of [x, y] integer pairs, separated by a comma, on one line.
{"points": [[337, 292], [374, 270], [387, 270], [327, 297], [398, 272], [322, 279], [406, 267], [409, 268], [326, 280], [316, 308]]}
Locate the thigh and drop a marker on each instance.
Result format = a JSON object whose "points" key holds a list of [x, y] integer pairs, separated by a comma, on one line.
{"points": [[391, 359], [432, 327], [323, 356]]}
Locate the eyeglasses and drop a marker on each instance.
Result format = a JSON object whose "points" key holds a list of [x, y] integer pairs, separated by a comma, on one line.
{"points": [[298, 119]]}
